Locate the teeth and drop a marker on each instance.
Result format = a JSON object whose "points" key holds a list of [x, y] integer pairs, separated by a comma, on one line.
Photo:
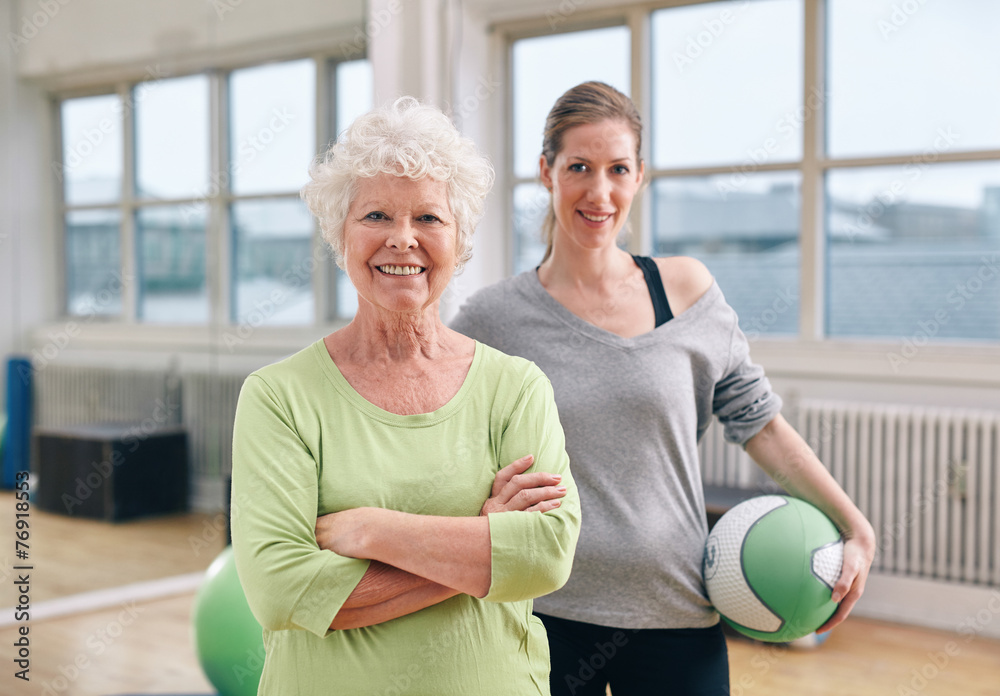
{"points": [[401, 270], [595, 218]]}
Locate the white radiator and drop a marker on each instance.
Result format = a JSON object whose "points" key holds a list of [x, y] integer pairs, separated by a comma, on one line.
{"points": [[927, 479], [204, 403]]}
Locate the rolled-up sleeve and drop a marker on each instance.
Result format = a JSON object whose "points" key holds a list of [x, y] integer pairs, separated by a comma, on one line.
{"points": [[743, 400], [290, 583], [532, 552]]}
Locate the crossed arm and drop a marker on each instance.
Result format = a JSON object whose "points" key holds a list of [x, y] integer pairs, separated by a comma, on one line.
{"points": [[419, 560]]}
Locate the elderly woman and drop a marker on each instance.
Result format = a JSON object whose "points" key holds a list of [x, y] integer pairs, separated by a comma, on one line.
{"points": [[380, 541]]}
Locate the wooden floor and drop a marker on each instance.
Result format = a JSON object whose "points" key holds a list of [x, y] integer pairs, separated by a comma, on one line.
{"points": [[73, 555], [145, 648]]}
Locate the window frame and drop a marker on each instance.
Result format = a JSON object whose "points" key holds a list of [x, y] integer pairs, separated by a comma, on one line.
{"points": [[125, 328], [813, 167]]}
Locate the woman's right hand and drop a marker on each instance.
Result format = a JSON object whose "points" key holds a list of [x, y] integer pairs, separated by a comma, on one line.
{"points": [[514, 490]]}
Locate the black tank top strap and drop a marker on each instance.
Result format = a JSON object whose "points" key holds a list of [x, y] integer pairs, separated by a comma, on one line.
{"points": [[656, 292]]}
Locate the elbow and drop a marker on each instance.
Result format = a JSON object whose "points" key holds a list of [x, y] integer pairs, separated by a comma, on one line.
{"points": [[480, 586], [267, 608], [555, 574], [268, 619], [548, 572], [566, 532]]}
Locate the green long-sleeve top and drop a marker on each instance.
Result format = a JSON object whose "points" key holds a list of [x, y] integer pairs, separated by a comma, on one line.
{"points": [[307, 444]]}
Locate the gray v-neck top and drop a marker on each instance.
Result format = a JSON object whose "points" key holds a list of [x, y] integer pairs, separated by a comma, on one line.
{"points": [[633, 410]]}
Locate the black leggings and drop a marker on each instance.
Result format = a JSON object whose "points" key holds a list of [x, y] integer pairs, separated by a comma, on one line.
{"points": [[636, 662]]}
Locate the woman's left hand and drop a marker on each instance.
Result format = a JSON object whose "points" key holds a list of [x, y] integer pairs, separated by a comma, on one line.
{"points": [[514, 490], [859, 552], [342, 532]]}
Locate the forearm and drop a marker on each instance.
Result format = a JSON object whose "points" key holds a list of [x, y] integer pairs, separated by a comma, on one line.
{"points": [[780, 451], [382, 583], [386, 593], [450, 551]]}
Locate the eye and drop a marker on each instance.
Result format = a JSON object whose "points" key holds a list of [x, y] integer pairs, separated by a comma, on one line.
{"points": [[620, 169], [578, 167], [376, 215], [427, 217]]}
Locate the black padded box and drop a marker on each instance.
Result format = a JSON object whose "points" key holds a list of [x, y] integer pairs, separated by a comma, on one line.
{"points": [[112, 471]]}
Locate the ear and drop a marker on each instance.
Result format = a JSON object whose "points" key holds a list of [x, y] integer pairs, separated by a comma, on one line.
{"points": [[642, 172], [545, 172]]}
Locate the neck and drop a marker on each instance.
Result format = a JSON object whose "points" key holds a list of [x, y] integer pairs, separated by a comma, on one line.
{"points": [[590, 268], [378, 335]]}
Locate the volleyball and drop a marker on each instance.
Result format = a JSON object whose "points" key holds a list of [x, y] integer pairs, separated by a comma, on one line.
{"points": [[770, 566]]}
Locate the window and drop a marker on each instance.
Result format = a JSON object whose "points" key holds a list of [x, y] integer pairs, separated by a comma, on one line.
{"points": [[171, 164], [873, 187], [272, 137], [91, 174], [913, 187], [353, 87], [748, 239], [726, 102], [197, 218]]}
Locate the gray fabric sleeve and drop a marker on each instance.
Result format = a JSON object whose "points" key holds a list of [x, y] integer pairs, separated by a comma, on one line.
{"points": [[743, 400]]}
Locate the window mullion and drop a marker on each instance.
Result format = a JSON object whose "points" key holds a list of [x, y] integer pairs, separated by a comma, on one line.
{"points": [[640, 241], [62, 256], [324, 286], [217, 228], [812, 236], [509, 247], [131, 284]]}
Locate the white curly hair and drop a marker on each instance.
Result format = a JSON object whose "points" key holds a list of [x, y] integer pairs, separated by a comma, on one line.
{"points": [[405, 138]]}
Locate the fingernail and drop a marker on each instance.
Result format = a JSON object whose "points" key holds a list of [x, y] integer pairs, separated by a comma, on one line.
{"points": [[557, 477], [561, 489], [835, 597]]}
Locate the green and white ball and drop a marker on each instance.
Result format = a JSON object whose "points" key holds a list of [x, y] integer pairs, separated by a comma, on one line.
{"points": [[770, 566]]}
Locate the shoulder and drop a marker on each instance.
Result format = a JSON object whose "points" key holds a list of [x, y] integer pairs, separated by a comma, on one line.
{"points": [[290, 372], [685, 280], [485, 314], [497, 294], [512, 380], [511, 371]]}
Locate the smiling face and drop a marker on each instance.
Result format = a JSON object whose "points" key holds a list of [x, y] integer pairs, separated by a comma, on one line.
{"points": [[399, 242], [593, 179]]}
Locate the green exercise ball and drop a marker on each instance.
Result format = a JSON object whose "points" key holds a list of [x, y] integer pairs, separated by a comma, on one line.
{"points": [[227, 637]]}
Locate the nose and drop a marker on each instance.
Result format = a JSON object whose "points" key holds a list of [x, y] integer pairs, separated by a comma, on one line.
{"points": [[402, 236], [600, 188]]}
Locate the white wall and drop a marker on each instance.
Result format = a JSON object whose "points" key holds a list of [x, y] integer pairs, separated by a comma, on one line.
{"points": [[27, 295], [81, 38]]}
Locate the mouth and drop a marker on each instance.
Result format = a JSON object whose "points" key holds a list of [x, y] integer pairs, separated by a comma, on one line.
{"points": [[598, 218], [401, 270]]}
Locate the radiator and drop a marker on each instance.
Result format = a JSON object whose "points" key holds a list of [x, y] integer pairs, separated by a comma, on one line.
{"points": [[926, 478], [204, 403]]}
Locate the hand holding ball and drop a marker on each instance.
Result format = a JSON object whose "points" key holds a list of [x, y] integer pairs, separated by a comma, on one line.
{"points": [[770, 566]]}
